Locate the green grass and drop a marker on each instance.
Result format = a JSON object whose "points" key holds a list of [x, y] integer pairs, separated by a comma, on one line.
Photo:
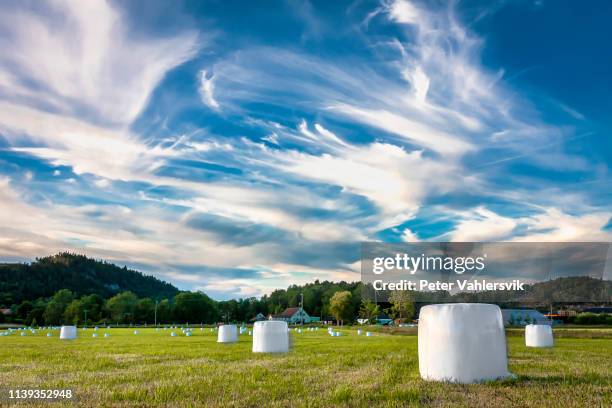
{"points": [[154, 369]]}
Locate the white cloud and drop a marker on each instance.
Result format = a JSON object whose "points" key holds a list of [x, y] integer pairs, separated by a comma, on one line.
{"points": [[409, 236], [71, 60], [553, 225], [404, 12], [86, 148], [414, 131], [549, 225], [207, 89], [84, 61], [483, 225], [397, 187]]}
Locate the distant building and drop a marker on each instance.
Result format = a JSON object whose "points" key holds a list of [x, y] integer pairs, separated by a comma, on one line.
{"points": [[522, 317], [6, 312], [258, 318], [293, 315], [329, 320], [384, 320], [567, 313]]}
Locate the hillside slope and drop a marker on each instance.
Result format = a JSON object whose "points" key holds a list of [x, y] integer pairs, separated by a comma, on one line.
{"points": [[78, 273]]}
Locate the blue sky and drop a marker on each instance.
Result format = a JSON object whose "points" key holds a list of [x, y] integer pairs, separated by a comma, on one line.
{"points": [[234, 148]]}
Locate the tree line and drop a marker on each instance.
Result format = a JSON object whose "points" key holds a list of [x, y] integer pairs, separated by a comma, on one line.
{"points": [[124, 308], [328, 300]]}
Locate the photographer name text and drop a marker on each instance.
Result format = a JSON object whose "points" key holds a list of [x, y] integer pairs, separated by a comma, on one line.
{"points": [[462, 285]]}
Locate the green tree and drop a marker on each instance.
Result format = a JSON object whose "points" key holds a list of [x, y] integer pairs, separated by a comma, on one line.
{"points": [[36, 314], [54, 312], [369, 310], [402, 304], [90, 305], [24, 309], [340, 305], [145, 311], [122, 307], [71, 314], [194, 307], [164, 312]]}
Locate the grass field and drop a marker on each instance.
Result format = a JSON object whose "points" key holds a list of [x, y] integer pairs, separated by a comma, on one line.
{"points": [[154, 369]]}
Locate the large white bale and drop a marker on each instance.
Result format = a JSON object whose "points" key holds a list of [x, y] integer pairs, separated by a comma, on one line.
{"points": [[270, 337], [462, 343], [228, 333], [68, 332], [538, 335]]}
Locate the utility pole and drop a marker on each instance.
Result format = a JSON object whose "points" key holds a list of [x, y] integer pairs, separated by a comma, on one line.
{"points": [[85, 311], [156, 302]]}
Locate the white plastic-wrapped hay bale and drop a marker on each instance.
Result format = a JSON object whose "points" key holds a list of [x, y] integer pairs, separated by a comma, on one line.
{"points": [[94, 335], [68, 332], [462, 343], [106, 335], [270, 336], [228, 333], [136, 332], [538, 335], [369, 334], [188, 334], [359, 332], [173, 334], [49, 334]]}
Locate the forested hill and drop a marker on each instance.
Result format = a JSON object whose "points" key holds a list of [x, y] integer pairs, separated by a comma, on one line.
{"points": [[78, 273]]}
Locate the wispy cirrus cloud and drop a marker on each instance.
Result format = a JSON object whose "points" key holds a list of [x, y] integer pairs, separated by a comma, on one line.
{"points": [[82, 60]]}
